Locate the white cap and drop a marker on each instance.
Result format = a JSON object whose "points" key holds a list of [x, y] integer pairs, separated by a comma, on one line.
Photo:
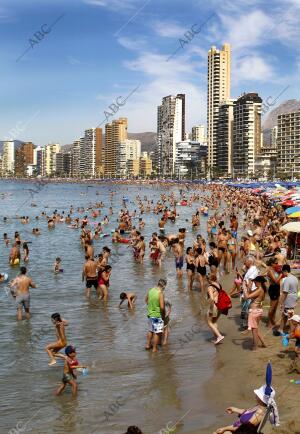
{"points": [[295, 318], [260, 393], [250, 233]]}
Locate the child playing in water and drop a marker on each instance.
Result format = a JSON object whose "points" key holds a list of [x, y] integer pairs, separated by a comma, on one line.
{"points": [[53, 348], [57, 265], [69, 377], [166, 318], [6, 240], [130, 297]]}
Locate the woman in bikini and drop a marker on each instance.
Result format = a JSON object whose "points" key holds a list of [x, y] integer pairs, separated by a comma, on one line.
{"points": [[213, 313], [190, 267], [103, 282], [255, 309]]}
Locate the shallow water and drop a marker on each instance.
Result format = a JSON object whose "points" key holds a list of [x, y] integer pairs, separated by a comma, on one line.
{"points": [[126, 385]]}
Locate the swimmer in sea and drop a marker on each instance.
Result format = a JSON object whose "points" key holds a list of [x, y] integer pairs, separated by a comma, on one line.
{"points": [[5, 239], [57, 265], [61, 342], [130, 297]]}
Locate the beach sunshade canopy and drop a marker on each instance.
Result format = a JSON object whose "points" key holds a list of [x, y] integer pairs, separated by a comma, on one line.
{"points": [[291, 227], [294, 215], [288, 202], [292, 209]]}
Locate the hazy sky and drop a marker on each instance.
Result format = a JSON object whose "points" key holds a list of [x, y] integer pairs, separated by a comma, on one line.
{"points": [[99, 50]]}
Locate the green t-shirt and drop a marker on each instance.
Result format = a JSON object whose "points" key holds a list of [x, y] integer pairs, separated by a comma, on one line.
{"points": [[153, 303]]}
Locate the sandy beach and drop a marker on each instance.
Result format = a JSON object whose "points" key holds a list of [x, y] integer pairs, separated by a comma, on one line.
{"points": [[238, 371]]}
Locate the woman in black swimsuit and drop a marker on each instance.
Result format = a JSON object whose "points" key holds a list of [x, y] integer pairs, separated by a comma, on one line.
{"points": [[190, 267], [201, 268]]}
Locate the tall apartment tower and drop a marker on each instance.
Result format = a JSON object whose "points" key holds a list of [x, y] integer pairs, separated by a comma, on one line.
{"points": [[128, 150], [247, 137], [288, 144], [170, 130], [40, 161], [91, 153], [225, 138], [51, 150], [75, 159], [115, 133], [24, 157], [218, 90], [8, 158]]}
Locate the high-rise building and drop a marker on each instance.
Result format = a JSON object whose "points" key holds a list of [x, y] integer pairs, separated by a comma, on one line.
{"points": [[8, 158], [115, 133], [91, 153], [127, 150], [41, 161], [50, 158], [75, 152], [247, 137], [170, 130], [218, 90], [288, 144], [24, 157], [224, 138], [198, 134]]}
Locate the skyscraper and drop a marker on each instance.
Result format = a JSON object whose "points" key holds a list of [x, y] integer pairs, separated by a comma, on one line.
{"points": [[247, 137], [91, 153], [50, 158], [75, 160], [170, 130], [115, 133], [288, 144], [218, 90], [24, 157], [8, 158], [225, 138]]}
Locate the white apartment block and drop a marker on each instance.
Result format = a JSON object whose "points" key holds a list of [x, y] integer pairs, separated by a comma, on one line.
{"points": [[218, 90], [170, 130], [127, 150], [8, 158], [50, 161]]}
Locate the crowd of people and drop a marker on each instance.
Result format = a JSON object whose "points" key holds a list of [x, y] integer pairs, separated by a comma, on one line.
{"points": [[244, 242]]}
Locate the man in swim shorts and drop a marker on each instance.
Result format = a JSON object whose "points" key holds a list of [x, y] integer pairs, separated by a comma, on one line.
{"points": [[177, 248], [22, 283], [155, 308], [90, 273]]}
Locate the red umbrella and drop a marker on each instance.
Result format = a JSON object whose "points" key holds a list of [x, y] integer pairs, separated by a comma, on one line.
{"points": [[288, 202]]}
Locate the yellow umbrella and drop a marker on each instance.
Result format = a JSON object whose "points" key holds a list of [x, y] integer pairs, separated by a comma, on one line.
{"points": [[294, 215]]}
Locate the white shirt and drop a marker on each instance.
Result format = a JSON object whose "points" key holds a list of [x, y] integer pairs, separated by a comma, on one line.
{"points": [[251, 273]]}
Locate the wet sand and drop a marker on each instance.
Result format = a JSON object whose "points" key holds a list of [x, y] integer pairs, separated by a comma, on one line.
{"points": [[238, 371]]}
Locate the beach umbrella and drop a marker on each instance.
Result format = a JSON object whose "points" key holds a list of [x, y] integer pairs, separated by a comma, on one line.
{"points": [[288, 202], [268, 390], [294, 215], [292, 209], [291, 227]]}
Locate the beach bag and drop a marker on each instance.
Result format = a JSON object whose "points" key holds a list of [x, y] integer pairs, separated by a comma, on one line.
{"points": [[224, 302]]}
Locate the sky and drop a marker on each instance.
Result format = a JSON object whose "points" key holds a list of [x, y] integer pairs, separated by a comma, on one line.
{"points": [[66, 64]]}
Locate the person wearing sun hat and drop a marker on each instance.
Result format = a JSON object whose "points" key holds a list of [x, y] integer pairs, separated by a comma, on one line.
{"points": [[249, 420]]}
